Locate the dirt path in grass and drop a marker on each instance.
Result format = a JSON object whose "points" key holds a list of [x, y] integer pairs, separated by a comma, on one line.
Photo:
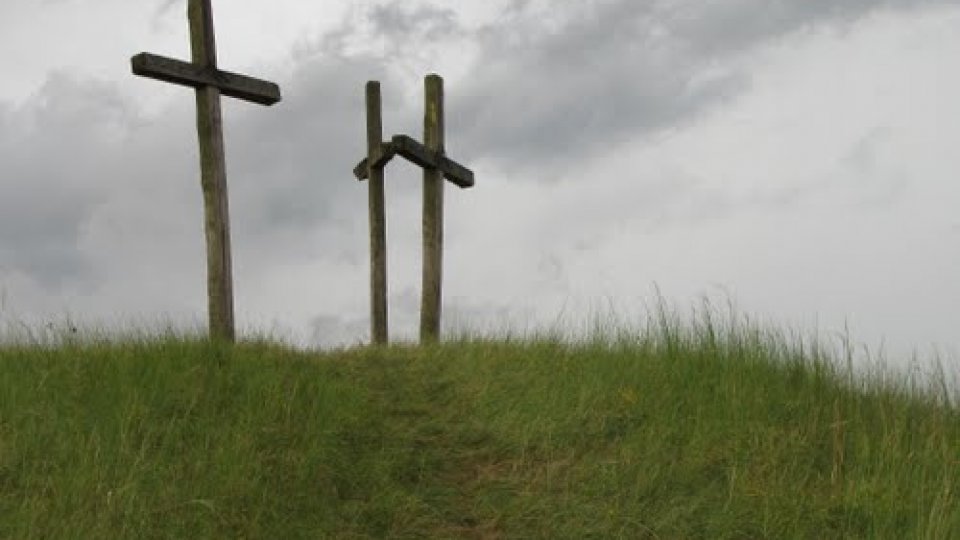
{"points": [[442, 456]]}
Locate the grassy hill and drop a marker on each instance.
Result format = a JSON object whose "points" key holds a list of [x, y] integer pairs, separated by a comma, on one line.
{"points": [[671, 433]]}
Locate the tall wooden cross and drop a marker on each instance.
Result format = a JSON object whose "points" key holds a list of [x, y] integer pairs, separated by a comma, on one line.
{"points": [[431, 155], [210, 82]]}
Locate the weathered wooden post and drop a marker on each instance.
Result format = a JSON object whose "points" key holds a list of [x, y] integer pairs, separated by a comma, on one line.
{"points": [[378, 219], [430, 291], [209, 82], [431, 155]]}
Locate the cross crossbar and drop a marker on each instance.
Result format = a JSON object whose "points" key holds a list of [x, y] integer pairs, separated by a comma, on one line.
{"points": [[387, 152], [197, 76], [417, 153]]}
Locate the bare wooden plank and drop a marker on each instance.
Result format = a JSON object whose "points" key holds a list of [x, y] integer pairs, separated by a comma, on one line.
{"points": [[362, 171], [387, 152], [422, 156], [203, 40], [456, 173], [213, 181], [417, 153], [213, 178], [377, 215], [197, 76], [431, 289]]}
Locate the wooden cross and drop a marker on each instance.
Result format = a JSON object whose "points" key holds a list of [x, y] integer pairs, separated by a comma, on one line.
{"points": [[436, 166], [210, 82]]}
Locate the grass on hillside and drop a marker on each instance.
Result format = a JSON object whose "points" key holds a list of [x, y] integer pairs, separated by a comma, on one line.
{"points": [[677, 432]]}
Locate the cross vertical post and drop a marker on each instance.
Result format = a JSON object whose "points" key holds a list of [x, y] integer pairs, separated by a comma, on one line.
{"points": [[213, 178], [433, 140], [209, 83], [377, 215]]}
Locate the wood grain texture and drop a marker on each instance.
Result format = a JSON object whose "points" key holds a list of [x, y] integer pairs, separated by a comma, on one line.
{"points": [[230, 84], [213, 181], [362, 170], [377, 214], [213, 178], [433, 139], [431, 159]]}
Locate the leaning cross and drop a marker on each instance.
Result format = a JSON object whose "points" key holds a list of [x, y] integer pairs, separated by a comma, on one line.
{"points": [[209, 82], [436, 166]]}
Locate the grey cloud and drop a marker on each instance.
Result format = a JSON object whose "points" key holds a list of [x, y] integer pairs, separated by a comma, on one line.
{"points": [[537, 97], [477, 318], [404, 315], [334, 330], [868, 150], [619, 69], [85, 179], [165, 6], [720, 27], [402, 26], [401, 21], [52, 154], [291, 165]]}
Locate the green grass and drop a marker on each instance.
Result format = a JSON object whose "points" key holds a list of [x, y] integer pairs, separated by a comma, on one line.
{"points": [[705, 431]]}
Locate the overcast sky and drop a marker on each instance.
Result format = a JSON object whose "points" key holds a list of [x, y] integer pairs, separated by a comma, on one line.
{"points": [[798, 157]]}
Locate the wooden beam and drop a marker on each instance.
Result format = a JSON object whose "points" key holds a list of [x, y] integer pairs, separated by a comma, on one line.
{"points": [[387, 152], [213, 178], [213, 181], [431, 297], [203, 40], [417, 153], [377, 216], [230, 84], [421, 155]]}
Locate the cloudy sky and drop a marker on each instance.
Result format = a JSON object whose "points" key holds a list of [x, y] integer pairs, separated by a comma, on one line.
{"points": [[796, 157]]}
